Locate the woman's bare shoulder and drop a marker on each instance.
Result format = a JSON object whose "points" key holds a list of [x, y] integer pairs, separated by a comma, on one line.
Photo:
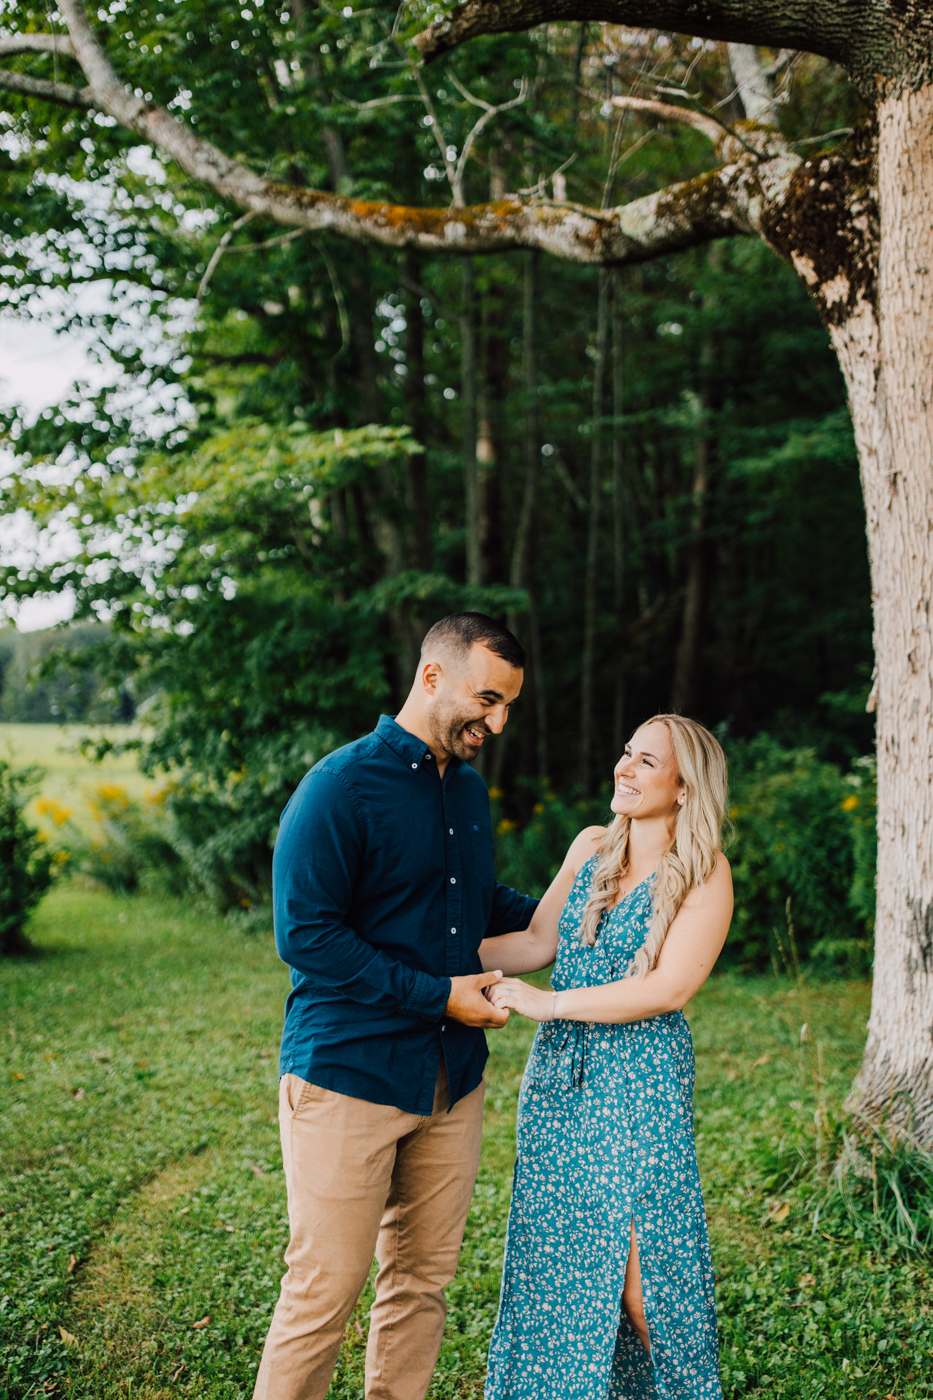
{"points": [[716, 887], [584, 845]]}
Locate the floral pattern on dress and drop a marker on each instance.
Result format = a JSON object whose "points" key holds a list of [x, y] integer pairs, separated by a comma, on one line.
{"points": [[605, 1137]]}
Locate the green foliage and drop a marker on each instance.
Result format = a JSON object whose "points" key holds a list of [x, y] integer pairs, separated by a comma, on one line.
{"points": [[48, 676], [271, 506], [804, 841], [130, 847], [528, 856], [867, 1182], [27, 865]]}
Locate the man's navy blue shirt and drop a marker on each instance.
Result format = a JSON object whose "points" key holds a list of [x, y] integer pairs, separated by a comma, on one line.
{"points": [[384, 888]]}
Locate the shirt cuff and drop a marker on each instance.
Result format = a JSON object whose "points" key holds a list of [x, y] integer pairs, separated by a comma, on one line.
{"points": [[429, 996]]}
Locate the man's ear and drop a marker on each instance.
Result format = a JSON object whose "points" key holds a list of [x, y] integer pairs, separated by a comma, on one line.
{"points": [[431, 674]]}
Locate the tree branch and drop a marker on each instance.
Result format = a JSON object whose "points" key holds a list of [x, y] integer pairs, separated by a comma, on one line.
{"points": [[666, 111], [870, 38], [62, 93], [11, 44], [753, 84], [660, 223]]}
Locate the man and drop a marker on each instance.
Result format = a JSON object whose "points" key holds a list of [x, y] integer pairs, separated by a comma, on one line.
{"points": [[384, 887]]}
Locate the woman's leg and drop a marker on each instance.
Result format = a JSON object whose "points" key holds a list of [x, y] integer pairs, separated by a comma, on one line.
{"points": [[632, 1300]]}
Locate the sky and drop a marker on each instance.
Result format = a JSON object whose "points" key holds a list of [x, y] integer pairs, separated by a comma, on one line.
{"points": [[37, 368]]}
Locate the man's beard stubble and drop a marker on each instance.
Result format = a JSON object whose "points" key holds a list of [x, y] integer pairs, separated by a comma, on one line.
{"points": [[447, 726]]}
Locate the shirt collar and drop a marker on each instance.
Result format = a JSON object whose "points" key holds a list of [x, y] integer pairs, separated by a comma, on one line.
{"points": [[408, 746]]}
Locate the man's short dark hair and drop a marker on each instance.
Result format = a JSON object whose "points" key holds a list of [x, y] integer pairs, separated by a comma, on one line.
{"points": [[461, 631]]}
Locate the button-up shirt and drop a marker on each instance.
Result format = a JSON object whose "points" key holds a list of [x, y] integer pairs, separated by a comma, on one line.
{"points": [[384, 887]]}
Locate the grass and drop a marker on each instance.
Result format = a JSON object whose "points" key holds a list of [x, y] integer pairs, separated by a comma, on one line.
{"points": [[70, 780], [142, 1189]]}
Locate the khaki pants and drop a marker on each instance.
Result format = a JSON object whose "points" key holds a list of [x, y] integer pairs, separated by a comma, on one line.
{"points": [[367, 1179]]}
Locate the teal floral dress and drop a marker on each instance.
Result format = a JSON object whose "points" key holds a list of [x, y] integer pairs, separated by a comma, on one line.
{"points": [[605, 1137]]}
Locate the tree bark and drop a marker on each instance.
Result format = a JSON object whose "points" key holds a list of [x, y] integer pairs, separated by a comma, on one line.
{"points": [[872, 39], [520, 574], [473, 506], [687, 661], [590, 589], [886, 360], [417, 410], [618, 516]]}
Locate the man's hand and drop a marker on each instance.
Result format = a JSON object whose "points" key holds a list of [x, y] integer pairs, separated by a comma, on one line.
{"points": [[468, 1002], [515, 995]]}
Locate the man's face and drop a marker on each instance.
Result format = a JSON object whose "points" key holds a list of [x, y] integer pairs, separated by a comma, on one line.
{"points": [[471, 699]]}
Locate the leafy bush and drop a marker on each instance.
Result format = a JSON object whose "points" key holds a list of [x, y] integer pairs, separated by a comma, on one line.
{"points": [[130, 847], [528, 857], [804, 832], [27, 864]]}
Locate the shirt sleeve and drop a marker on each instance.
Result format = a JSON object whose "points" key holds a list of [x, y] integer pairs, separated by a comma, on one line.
{"points": [[318, 856], [510, 911]]}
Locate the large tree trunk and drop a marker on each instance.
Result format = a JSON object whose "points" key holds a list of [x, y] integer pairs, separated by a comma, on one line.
{"points": [[887, 363]]}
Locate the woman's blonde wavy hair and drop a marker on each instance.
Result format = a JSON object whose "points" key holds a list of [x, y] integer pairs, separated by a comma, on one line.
{"points": [[691, 859]]}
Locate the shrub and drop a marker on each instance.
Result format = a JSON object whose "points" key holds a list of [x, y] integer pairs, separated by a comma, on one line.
{"points": [[528, 857], [27, 864], [804, 832], [130, 847]]}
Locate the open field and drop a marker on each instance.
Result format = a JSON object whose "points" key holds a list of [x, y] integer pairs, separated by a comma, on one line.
{"points": [[142, 1189], [70, 778]]}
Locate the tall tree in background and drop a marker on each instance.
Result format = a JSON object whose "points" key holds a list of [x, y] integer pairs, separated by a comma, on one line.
{"points": [[855, 225]]}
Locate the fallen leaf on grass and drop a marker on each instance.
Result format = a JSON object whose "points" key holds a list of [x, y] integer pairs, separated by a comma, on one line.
{"points": [[257, 1171], [178, 1372], [763, 1061], [77, 1093], [358, 1327], [778, 1211], [72, 1263], [203, 1323], [222, 1225], [184, 1210], [806, 1281], [67, 1338], [18, 1076]]}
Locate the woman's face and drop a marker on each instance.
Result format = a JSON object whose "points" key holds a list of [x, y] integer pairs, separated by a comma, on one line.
{"points": [[646, 779]]}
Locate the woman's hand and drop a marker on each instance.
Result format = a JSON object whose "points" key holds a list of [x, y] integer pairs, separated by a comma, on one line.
{"points": [[512, 994]]}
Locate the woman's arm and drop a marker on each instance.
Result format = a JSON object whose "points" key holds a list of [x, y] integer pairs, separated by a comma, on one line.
{"points": [[693, 943], [535, 947]]}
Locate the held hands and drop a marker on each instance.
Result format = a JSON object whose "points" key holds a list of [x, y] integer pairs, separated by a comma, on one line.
{"points": [[512, 994], [471, 1000]]}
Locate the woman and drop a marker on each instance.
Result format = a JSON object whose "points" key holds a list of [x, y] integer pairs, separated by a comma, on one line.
{"points": [[607, 1289]]}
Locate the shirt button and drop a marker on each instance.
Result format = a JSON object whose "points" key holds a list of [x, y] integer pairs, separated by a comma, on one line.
{"points": [[452, 880], [453, 930], [414, 765], [443, 1028], [451, 830]]}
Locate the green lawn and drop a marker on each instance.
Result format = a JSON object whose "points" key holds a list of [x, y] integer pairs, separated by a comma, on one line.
{"points": [[70, 780], [142, 1191]]}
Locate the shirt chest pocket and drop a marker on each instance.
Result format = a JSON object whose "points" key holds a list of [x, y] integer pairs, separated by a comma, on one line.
{"points": [[483, 852]]}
